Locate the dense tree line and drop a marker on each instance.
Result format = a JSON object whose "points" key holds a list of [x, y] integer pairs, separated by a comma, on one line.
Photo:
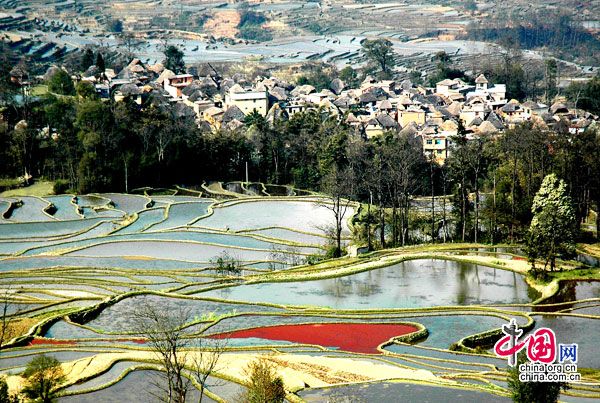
{"points": [[586, 95], [251, 25], [558, 32], [97, 146], [484, 191]]}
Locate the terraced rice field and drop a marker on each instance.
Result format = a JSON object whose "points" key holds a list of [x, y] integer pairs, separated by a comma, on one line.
{"points": [[76, 268]]}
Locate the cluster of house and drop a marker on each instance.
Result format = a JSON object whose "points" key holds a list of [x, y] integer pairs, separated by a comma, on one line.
{"points": [[432, 114]]}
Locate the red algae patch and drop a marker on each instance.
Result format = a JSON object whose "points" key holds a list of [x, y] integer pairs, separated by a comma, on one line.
{"points": [[353, 337], [40, 341]]}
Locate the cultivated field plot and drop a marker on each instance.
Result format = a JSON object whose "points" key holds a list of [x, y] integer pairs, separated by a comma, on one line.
{"points": [[75, 269]]}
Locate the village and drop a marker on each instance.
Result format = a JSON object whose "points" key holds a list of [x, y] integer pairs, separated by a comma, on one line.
{"points": [[299, 201], [434, 115]]}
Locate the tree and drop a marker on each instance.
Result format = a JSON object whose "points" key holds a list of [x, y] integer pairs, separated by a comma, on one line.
{"points": [[443, 69], [470, 5], [205, 361], [405, 167], [336, 185], [86, 90], [336, 182], [552, 229], [61, 83], [476, 165], [94, 121], [100, 62], [5, 396], [128, 40], [586, 95], [43, 375], [7, 330], [8, 89], [532, 392], [225, 264], [524, 157], [460, 169], [165, 331], [174, 59], [551, 79], [591, 138], [349, 76], [87, 59], [251, 25], [169, 337], [265, 386], [114, 25], [380, 53]]}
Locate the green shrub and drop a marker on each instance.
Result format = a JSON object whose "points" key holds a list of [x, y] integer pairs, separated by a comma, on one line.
{"points": [[43, 374], [532, 392], [255, 33], [61, 186], [61, 83], [6, 397], [265, 386]]}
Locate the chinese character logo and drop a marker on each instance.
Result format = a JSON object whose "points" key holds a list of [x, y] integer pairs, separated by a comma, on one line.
{"points": [[541, 345], [567, 352]]}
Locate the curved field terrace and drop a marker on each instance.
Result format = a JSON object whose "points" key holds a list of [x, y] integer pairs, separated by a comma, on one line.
{"points": [[246, 262]]}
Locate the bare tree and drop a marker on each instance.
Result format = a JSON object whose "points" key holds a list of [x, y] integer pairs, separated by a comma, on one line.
{"points": [[9, 324], [476, 163], [336, 188], [444, 174], [405, 166], [4, 325], [181, 353], [205, 363], [129, 42], [165, 331]]}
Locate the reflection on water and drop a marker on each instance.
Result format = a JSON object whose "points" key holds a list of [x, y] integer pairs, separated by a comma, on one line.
{"points": [[569, 292], [582, 331], [415, 283]]}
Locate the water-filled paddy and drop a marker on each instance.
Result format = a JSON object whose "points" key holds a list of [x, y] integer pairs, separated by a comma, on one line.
{"points": [[181, 214], [127, 262], [127, 203], [144, 220], [582, 331], [390, 391], [293, 236], [46, 229], [145, 244], [117, 318], [304, 216], [181, 235], [31, 210], [410, 284], [171, 250], [136, 386]]}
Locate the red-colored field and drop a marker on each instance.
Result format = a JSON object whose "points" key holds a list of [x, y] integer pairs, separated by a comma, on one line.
{"points": [[354, 337], [38, 341]]}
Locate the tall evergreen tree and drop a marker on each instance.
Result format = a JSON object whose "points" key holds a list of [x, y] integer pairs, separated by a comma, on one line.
{"points": [[174, 60], [87, 59], [100, 62], [552, 230]]}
